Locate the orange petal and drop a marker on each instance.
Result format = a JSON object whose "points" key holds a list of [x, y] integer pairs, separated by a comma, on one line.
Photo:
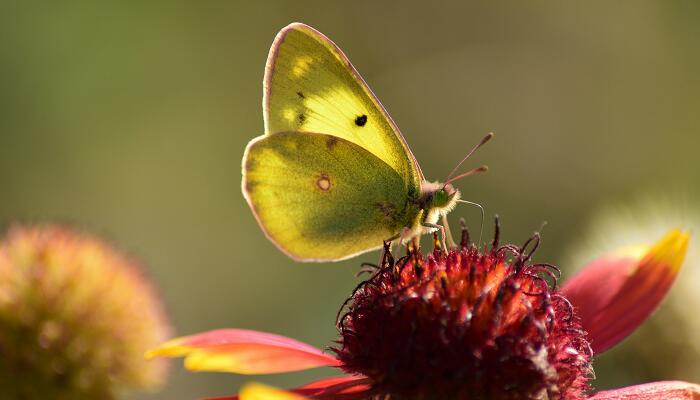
{"points": [[243, 351], [614, 294], [669, 390], [257, 391]]}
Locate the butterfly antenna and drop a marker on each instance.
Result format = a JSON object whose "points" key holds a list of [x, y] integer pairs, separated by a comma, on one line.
{"points": [[474, 171], [475, 148], [481, 228]]}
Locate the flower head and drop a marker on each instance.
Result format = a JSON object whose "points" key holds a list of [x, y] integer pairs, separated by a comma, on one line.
{"points": [[465, 324], [75, 317]]}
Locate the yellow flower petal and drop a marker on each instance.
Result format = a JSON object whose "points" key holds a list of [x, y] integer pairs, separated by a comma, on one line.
{"points": [[258, 391]]}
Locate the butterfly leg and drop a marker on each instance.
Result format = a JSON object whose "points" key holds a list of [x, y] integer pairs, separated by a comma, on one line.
{"points": [[450, 240], [385, 254], [442, 232]]}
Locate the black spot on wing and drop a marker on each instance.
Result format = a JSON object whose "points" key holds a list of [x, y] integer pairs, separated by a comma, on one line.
{"points": [[300, 94], [361, 120], [302, 118]]}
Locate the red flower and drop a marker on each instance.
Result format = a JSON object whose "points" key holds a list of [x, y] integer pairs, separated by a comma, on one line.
{"points": [[466, 324]]}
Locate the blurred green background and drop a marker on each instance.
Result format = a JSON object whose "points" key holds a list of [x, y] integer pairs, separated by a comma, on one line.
{"points": [[130, 119]]}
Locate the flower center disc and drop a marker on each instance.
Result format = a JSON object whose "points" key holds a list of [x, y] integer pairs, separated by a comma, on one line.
{"points": [[464, 325]]}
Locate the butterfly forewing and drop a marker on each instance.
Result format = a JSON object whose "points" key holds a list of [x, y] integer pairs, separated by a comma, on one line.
{"points": [[310, 86]]}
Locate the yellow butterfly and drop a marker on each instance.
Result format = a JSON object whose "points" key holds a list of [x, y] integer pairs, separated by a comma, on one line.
{"points": [[332, 177]]}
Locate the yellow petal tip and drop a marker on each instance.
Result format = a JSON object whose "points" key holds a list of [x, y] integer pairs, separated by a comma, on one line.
{"points": [[172, 348], [670, 250], [207, 361], [258, 391]]}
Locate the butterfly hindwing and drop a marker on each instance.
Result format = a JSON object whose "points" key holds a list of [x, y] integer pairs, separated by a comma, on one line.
{"points": [[319, 197], [310, 86]]}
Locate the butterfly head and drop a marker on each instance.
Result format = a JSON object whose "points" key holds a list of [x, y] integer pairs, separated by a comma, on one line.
{"points": [[440, 197], [444, 196]]}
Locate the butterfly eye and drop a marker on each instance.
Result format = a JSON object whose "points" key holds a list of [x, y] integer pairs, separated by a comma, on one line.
{"points": [[361, 120], [440, 198]]}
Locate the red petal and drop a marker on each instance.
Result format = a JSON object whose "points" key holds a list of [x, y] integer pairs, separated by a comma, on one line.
{"points": [[617, 292], [670, 390], [333, 387], [244, 352]]}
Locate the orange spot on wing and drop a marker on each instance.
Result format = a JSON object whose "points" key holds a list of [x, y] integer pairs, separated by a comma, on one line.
{"points": [[324, 183]]}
